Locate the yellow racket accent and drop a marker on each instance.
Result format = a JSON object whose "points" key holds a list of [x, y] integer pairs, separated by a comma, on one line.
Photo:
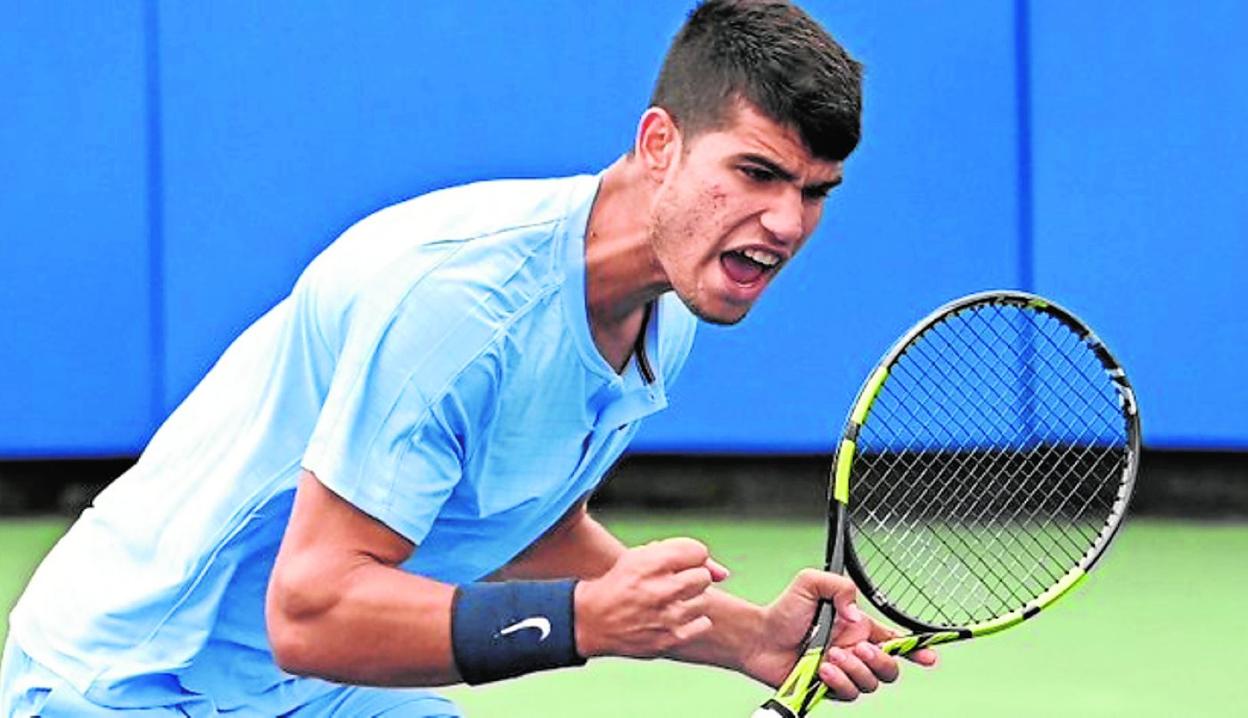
{"points": [[803, 685], [845, 452], [844, 460], [905, 644], [1072, 579], [869, 391]]}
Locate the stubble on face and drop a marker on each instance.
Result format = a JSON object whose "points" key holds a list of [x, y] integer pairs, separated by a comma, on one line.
{"points": [[683, 223], [750, 186]]}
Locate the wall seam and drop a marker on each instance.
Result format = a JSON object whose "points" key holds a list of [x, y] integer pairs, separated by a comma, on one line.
{"points": [[1026, 193]]}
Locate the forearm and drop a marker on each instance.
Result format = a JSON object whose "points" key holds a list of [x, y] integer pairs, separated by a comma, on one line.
{"points": [[339, 607], [373, 625], [735, 633]]}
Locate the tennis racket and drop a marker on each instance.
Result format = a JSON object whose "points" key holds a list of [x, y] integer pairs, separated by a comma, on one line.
{"points": [[985, 467]]}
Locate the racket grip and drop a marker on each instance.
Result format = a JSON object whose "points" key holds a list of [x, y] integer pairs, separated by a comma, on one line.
{"points": [[821, 631], [803, 688]]}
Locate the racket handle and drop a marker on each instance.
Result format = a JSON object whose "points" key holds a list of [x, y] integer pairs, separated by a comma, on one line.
{"points": [[802, 689], [821, 631]]}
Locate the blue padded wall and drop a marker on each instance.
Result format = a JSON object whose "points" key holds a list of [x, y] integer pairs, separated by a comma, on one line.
{"points": [[286, 122], [927, 212], [1141, 192], [282, 132], [168, 168], [77, 369]]}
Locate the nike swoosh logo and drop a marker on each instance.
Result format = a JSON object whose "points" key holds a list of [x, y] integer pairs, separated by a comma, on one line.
{"points": [[541, 623]]}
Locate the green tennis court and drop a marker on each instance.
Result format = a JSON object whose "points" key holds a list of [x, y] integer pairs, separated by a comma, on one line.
{"points": [[1157, 631]]}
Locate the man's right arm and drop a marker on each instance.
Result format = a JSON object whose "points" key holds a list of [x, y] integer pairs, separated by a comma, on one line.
{"points": [[338, 607]]}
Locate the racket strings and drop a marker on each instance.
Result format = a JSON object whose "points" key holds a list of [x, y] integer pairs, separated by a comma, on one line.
{"points": [[960, 555], [934, 491], [1052, 354], [988, 465], [999, 580], [995, 469]]}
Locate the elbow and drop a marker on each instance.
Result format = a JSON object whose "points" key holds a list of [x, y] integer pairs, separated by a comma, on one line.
{"points": [[290, 618], [291, 650]]}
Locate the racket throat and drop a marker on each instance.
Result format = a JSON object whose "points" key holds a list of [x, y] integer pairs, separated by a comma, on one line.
{"points": [[801, 690], [825, 614]]}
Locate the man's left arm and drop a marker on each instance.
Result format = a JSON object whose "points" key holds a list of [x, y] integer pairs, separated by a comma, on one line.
{"points": [[759, 641], [581, 547]]}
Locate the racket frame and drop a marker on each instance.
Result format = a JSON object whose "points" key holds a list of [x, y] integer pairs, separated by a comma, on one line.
{"points": [[802, 689], [925, 634]]}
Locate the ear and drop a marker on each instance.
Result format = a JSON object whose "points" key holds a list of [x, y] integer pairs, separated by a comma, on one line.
{"points": [[658, 143]]}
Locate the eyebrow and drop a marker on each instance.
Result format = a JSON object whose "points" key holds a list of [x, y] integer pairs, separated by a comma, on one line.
{"points": [[786, 175]]}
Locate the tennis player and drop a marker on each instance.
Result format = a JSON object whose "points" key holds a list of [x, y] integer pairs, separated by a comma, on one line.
{"points": [[381, 485]]}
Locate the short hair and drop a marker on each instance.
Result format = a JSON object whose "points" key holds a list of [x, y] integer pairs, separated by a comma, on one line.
{"points": [[771, 54]]}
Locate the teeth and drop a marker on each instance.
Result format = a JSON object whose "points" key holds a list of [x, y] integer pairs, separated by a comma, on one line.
{"points": [[762, 256]]}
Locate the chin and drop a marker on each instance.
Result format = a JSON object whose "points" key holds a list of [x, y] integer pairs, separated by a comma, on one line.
{"points": [[721, 320], [724, 316]]}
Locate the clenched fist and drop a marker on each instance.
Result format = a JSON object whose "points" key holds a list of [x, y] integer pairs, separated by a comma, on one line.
{"points": [[651, 601]]}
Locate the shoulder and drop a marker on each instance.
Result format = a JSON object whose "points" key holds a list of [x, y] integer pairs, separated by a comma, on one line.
{"points": [[472, 211], [454, 265], [450, 240]]}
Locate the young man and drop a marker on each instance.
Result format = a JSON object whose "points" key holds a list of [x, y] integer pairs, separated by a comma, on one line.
{"points": [[381, 485]]}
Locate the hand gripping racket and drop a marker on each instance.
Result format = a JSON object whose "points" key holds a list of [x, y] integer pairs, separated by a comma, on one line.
{"points": [[984, 469]]}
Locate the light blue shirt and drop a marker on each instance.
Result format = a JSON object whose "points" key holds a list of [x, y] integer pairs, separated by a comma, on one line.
{"points": [[434, 366]]}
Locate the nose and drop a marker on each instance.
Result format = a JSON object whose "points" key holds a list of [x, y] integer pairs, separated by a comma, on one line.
{"points": [[783, 219]]}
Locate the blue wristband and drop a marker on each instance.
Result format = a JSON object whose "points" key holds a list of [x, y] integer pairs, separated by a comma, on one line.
{"points": [[503, 630]]}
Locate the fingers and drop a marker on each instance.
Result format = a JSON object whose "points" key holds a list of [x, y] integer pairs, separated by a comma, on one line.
{"points": [[688, 560], [844, 597], [692, 629], [848, 673], [689, 616], [838, 589], [691, 582], [652, 601], [881, 666], [839, 685], [852, 625], [855, 664], [925, 657], [718, 571], [677, 554]]}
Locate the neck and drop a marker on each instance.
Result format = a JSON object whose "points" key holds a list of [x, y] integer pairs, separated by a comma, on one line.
{"points": [[622, 274]]}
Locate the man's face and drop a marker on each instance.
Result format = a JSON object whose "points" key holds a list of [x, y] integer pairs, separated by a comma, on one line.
{"points": [[735, 209]]}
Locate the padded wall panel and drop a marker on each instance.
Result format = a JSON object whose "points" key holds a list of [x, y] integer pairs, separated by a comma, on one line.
{"points": [[1140, 194], [285, 122], [928, 212], [76, 373]]}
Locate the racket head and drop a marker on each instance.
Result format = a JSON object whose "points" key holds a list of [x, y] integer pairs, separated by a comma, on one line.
{"points": [[986, 464]]}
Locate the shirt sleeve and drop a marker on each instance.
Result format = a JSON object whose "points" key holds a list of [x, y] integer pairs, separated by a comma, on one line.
{"points": [[410, 390]]}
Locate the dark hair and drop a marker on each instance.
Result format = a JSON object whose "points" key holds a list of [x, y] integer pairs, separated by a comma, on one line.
{"points": [[775, 56]]}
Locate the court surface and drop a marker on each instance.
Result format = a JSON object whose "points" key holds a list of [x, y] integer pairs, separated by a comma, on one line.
{"points": [[1157, 631]]}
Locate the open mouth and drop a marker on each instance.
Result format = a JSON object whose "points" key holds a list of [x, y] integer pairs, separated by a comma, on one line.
{"points": [[748, 266]]}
